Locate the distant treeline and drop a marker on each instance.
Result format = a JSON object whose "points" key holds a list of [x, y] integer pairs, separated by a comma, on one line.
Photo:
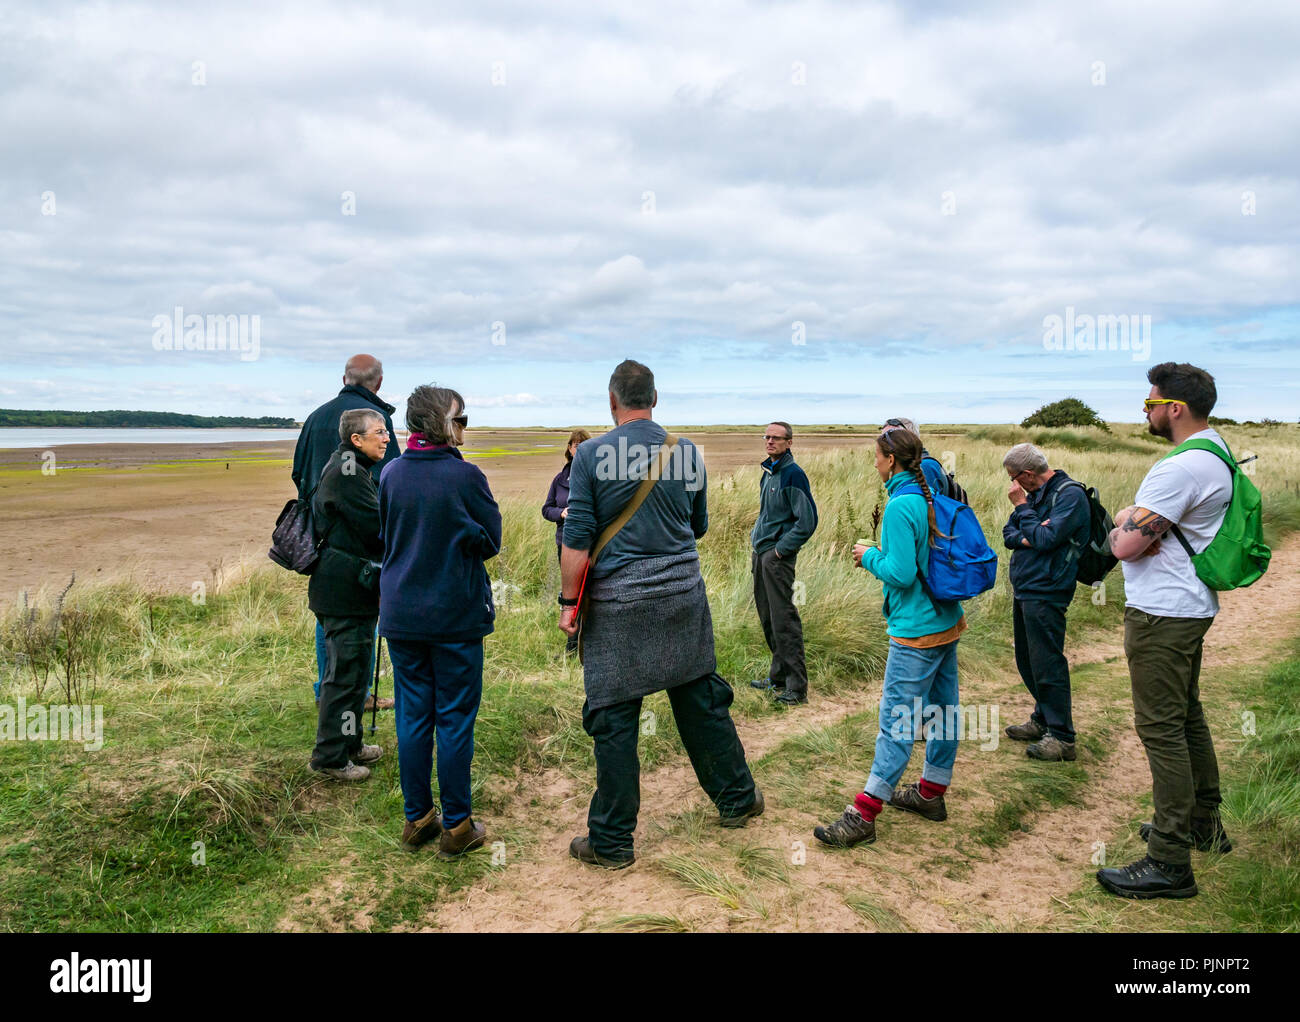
{"points": [[138, 420]]}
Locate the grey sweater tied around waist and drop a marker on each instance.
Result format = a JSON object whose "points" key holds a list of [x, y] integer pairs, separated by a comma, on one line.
{"points": [[647, 628]]}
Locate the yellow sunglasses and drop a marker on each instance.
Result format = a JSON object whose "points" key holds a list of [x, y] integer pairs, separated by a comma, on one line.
{"points": [[1151, 402]]}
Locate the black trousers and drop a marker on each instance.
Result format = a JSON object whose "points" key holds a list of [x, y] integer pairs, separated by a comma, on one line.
{"points": [[1039, 627], [348, 648], [702, 709], [782, 628]]}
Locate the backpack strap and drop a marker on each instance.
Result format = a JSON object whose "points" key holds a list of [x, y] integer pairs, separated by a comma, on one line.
{"points": [[1201, 444], [911, 489], [1224, 453]]}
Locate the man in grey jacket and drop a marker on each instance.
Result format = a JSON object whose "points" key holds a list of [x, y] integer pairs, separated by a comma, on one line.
{"points": [[787, 518], [647, 626]]}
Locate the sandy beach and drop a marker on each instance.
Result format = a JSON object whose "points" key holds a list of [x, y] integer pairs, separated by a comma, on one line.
{"points": [[176, 514]]}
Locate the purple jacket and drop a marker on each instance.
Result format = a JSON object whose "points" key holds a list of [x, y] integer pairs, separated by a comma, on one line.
{"points": [[557, 499]]}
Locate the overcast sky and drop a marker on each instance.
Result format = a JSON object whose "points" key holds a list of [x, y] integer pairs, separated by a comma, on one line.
{"points": [[816, 212]]}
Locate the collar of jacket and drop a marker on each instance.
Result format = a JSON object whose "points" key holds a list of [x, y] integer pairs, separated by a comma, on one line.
{"points": [[899, 478], [770, 466], [363, 459], [432, 453], [369, 395], [1051, 486]]}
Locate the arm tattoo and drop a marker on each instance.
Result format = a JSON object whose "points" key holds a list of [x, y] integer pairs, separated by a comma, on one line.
{"points": [[1148, 523]]}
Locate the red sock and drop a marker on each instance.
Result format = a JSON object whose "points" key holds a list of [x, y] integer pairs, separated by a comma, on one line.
{"points": [[866, 805], [931, 790]]}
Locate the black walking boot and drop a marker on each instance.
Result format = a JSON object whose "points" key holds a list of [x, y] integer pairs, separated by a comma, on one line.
{"points": [[740, 819], [580, 848], [1147, 878]]}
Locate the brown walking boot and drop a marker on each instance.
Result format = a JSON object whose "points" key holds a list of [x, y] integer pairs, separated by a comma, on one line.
{"points": [[911, 799], [464, 837], [426, 828], [1029, 731]]}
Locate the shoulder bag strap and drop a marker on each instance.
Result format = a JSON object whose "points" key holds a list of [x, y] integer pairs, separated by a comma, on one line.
{"points": [[638, 498], [612, 529]]}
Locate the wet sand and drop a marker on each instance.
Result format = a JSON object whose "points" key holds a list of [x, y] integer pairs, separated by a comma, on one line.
{"points": [[175, 514]]}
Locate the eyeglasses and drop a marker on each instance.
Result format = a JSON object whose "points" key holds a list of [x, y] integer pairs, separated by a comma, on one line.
{"points": [[769, 436], [1151, 402], [379, 432], [460, 420]]}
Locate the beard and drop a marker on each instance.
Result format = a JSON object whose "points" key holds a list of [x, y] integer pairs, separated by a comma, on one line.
{"points": [[1161, 431]]}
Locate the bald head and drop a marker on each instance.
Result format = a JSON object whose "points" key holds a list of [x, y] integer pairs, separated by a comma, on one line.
{"points": [[364, 371]]}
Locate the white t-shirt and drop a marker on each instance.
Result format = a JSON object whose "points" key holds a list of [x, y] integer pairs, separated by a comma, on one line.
{"points": [[1192, 490]]}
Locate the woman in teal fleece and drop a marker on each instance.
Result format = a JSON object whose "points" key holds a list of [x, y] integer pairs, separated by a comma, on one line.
{"points": [[919, 696]]}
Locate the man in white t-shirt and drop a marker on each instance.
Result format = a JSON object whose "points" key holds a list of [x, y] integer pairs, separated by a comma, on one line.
{"points": [[1169, 611]]}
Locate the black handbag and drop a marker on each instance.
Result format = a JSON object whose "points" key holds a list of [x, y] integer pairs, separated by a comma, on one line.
{"points": [[294, 543]]}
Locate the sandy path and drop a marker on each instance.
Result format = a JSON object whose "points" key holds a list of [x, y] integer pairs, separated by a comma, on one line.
{"points": [[1013, 887]]}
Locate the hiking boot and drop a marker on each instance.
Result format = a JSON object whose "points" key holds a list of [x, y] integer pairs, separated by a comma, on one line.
{"points": [[1207, 834], [384, 704], [1029, 731], [741, 819], [911, 799], [1051, 749], [426, 828], [787, 698], [849, 830], [580, 848], [367, 754], [464, 837], [1147, 878], [351, 772], [765, 684]]}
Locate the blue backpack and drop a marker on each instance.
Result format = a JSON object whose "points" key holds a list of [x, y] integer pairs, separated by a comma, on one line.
{"points": [[961, 567]]}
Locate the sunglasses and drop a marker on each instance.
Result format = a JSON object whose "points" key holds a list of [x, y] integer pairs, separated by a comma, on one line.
{"points": [[460, 420], [1151, 402]]}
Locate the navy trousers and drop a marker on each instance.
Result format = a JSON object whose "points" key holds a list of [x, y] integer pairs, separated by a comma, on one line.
{"points": [[1039, 630], [436, 689]]}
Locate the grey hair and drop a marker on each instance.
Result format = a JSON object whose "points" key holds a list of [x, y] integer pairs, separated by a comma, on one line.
{"points": [[633, 385], [356, 420], [368, 375], [1025, 458], [910, 426], [429, 410]]}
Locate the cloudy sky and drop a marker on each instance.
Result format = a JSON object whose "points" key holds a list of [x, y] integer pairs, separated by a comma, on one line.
{"points": [[820, 212]]}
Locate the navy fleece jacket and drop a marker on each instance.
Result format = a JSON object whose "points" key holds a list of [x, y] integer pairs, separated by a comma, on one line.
{"points": [[439, 523], [787, 515]]}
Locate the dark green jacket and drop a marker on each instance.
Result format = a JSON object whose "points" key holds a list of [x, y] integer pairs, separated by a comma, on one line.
{"points": [[787, 516]]}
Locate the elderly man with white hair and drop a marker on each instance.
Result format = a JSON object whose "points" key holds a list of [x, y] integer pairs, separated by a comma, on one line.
{"points": [[1050, 524]]}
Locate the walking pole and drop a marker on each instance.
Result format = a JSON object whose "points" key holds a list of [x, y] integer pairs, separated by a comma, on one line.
{"points": [[374, 705]]}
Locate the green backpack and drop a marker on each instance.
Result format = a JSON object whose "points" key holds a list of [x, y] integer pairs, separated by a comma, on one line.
{"points": [[1238, 555]]}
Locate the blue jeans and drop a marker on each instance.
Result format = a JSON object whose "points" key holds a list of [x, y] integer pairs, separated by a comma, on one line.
{"points": [[322, 658], [436, 687], [920, 687]]}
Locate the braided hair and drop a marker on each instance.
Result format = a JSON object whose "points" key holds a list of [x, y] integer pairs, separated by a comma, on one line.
{"points": [[905, 447]]}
